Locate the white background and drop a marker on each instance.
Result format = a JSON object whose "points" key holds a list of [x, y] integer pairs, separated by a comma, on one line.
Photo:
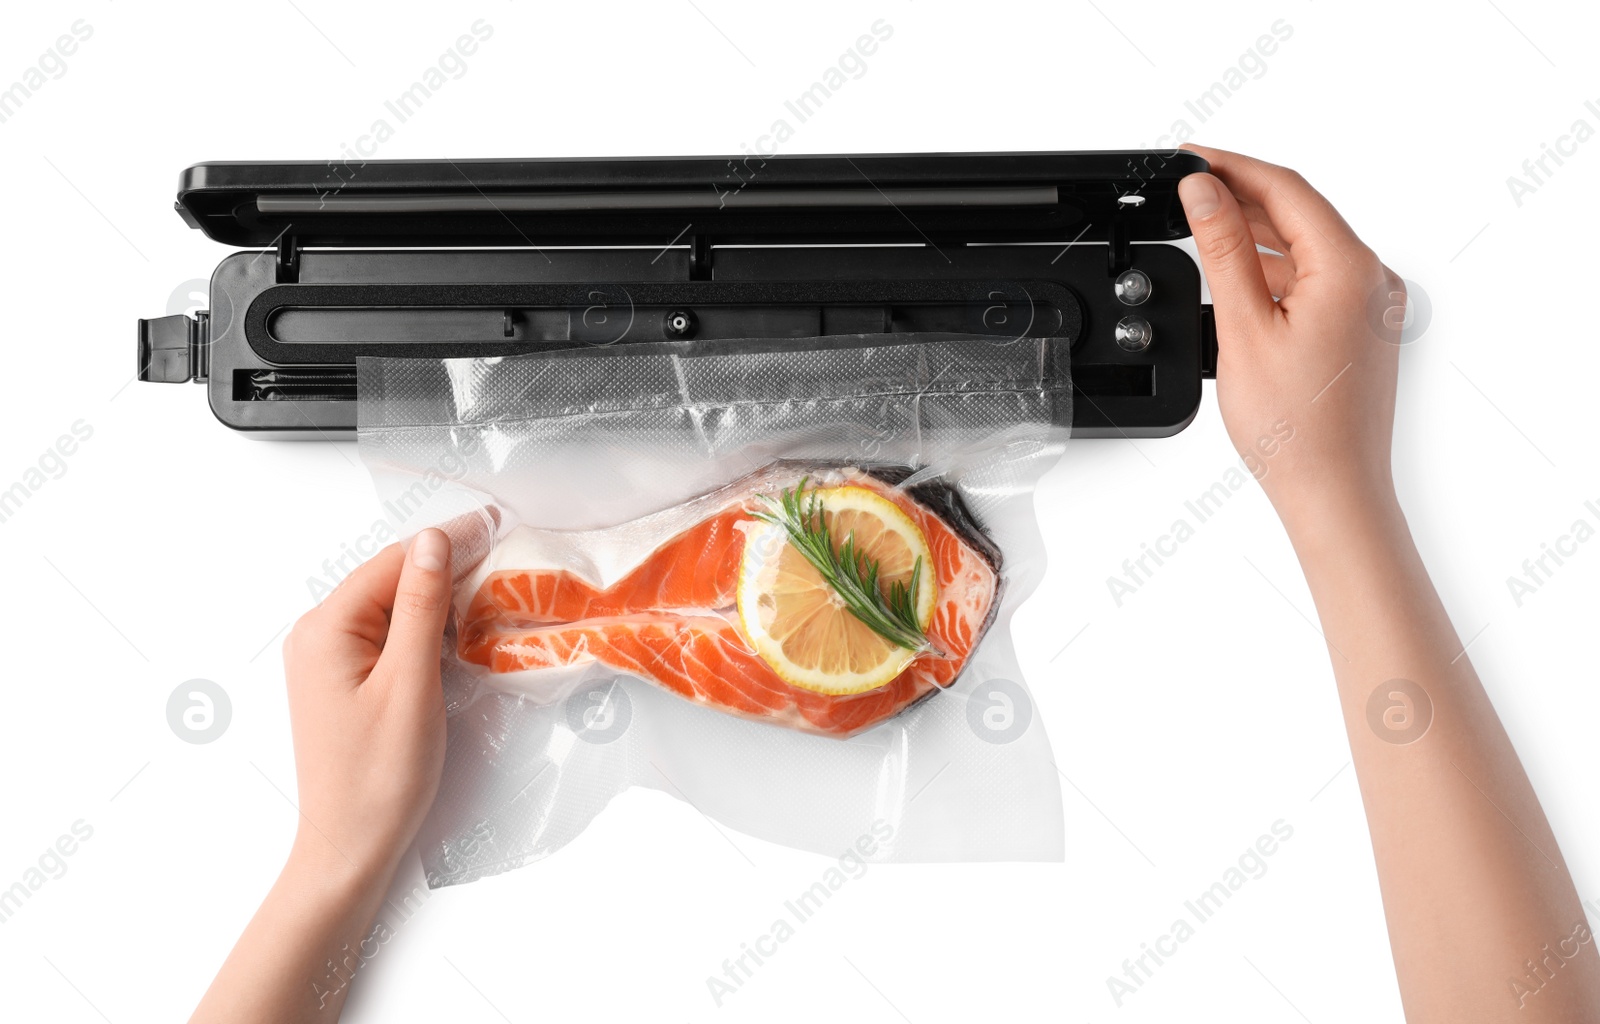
{"points": [[1193, 717]]}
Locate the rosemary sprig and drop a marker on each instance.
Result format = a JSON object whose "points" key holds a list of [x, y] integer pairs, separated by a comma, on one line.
{"points": [[851, 574]]}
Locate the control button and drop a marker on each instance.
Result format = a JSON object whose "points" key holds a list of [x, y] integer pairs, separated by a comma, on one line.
{"points": [[1133, 287], [1134, 333]]}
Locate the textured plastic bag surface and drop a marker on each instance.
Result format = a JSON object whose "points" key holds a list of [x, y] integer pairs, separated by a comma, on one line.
{"points": [[586, 460]]}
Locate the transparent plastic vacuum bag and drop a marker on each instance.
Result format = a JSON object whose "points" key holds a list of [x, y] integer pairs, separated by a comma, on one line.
{"points": [[654, 588]]}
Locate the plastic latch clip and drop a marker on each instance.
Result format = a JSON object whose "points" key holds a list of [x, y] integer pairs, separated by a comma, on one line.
{"points": [[1208, 342], [171, 349]]}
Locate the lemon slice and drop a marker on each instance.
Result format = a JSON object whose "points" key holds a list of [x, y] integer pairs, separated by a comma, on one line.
{"points": [[796, 621]]}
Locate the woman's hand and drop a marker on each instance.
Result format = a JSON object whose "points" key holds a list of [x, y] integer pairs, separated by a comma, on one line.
{"points": [[1449, 809], [368, 719], [1306, 384], [366, 708]]}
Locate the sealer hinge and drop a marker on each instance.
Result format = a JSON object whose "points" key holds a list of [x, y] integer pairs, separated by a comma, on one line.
{"points": [[200, 346], [699, 258], [1208, 342], [1119, 251], [288, 259]]}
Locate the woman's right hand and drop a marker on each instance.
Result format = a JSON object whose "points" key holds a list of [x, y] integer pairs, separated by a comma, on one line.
{"points": [[1306, 382]]}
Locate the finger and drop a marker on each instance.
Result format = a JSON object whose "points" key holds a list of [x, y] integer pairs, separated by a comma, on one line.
{"points": [[421, 604], [361, 602], [1279, 272], [1277, 264], [472, 536], [1227, 253], [1261, 227], [1302, 216]]}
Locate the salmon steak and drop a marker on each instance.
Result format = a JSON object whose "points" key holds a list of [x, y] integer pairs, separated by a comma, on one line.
{"points": [[727, 610]]}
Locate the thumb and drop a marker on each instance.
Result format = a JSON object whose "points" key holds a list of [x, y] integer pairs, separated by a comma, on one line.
{"points": [[1227, 252], [421, 603]]}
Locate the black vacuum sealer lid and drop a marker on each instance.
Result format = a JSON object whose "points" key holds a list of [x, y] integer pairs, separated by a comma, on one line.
{"points": [[932, 197]]}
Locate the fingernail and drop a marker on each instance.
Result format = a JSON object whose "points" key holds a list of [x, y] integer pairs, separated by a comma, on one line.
{"points": [[429, 550], [1200, 196]]}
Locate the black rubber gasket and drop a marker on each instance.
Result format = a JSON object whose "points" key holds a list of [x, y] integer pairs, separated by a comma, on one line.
{"points": [[1044, 294]]}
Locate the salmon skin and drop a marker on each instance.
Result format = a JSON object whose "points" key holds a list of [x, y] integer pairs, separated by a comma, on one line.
{"points": [[671, 618]]}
